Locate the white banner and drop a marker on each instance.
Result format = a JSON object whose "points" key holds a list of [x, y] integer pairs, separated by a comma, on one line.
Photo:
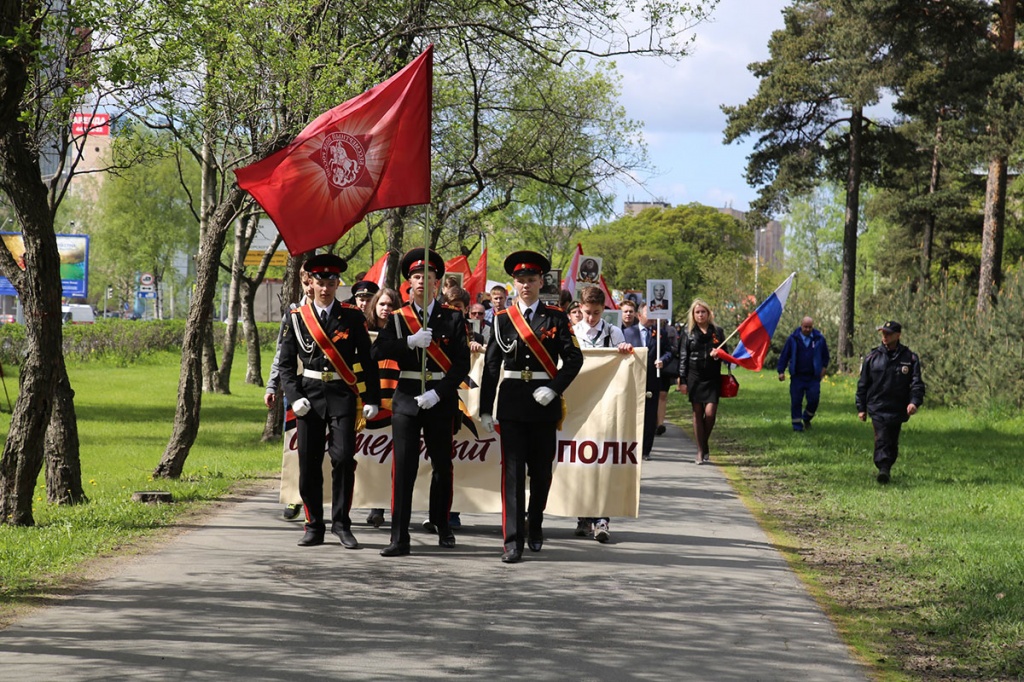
{"points": [[597, 461]]}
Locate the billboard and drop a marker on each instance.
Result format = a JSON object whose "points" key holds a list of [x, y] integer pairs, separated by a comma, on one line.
{"points": [[74, 263]]}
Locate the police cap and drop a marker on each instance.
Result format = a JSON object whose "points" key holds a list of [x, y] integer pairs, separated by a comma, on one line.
{"points": [[892, 327], [415, 260], [526, 263], [325, 266]]}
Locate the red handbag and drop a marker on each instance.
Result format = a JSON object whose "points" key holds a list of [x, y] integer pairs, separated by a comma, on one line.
{"points": [[730, 386]]}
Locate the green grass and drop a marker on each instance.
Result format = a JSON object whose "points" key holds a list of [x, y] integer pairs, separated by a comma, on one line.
{"points": [[124, 420], [924, 576]]}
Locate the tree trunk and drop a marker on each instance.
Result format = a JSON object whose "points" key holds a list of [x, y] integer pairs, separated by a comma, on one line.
{"points": [[223, 381], [928, 234], [396, 239], [63, 461], [990, 274], [254, 363], [847, 288], [208, 204], [186, 416], [254, 367], [209, 351], [38, 286]]}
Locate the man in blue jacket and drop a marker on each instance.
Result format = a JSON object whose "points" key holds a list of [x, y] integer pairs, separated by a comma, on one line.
{"points": [[806, 356]]}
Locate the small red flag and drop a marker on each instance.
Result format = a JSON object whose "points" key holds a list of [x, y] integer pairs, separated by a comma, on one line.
{"points": [[477, 280], [378, 272], [368, 153]]}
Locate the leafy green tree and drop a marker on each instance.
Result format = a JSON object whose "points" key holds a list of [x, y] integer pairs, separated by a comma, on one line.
{"points": [[828, 65], [144, 217], [702, 250]]}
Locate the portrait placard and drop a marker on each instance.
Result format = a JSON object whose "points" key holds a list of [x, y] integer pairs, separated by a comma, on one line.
{"points": [[589, 272], [659, 299]]}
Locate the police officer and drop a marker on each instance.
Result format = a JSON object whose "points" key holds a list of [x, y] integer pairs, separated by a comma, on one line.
{"points": [[423, 402], [330, 339], [890, 390], [528, 340]]}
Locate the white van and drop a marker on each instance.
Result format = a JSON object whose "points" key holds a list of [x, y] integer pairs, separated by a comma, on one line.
{"points": [[77, 314]]}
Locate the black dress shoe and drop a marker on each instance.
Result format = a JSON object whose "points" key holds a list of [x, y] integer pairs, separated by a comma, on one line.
{"points": [[446, 539], [396, 549], [512, 556], [348, 540], [535, 544], [312, 538]]}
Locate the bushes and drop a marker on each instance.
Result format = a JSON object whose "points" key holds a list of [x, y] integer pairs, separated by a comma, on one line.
{"points": [[120, 341], [971, 362]]}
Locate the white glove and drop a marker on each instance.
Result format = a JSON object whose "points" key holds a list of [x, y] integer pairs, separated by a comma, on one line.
{"points": [[428, 399], [301, 406], [420, 339], [487, 421], [370, 411], [544, 395]]}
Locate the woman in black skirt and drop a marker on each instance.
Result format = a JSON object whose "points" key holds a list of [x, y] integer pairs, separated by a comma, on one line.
{"points": [[700, 371]]}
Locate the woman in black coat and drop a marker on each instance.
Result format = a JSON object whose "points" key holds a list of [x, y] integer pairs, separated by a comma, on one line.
{"points": [[700, 371]]}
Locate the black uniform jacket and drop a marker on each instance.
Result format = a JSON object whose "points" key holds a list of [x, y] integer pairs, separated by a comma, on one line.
{"points": [[449, 331], [695, 350], [515, 401], [888, 383], [346, 326]]}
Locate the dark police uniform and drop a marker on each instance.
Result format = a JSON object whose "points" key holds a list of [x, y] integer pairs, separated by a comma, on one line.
{"points": [[437, 424], [334, 408], [527, 427], [889, 381]]}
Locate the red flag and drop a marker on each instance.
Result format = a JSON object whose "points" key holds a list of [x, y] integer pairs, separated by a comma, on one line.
{"points": [[368, 153], [458, 264], [569, 281], [477, 280], [609, 302], [379, 271]]}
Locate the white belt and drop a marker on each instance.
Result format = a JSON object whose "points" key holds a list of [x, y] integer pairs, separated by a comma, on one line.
{"points": [[525, 374], [428, 375], [322, 376]]}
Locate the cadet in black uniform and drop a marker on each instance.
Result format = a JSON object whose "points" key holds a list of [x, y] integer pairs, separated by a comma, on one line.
{"points": [[527, 341], [331, 341], [890, 390], [433, 410]]}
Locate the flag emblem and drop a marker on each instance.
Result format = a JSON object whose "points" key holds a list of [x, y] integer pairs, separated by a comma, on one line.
{"points": [[343, 158]]}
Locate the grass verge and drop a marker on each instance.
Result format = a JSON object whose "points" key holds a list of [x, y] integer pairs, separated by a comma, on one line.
{"points": [[924, 577], [125, 416]]}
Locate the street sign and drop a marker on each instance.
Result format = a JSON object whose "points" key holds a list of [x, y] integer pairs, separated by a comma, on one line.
{"points": [[146, 279], [146, 294]]}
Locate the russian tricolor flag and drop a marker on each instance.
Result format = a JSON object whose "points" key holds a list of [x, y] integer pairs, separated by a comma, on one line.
{"points": [[756, 331]]}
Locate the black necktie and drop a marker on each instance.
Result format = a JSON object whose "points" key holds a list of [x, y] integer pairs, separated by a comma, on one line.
{"points": [[323, 317], [528, 313]]}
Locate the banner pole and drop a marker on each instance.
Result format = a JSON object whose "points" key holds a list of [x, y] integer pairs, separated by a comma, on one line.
{"points": [[658, 345], [426, 293]]}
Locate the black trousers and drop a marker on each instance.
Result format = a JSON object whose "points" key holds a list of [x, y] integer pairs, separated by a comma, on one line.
{"points": [[526, 448], [437, 436], [887, 443], [338, 437]]}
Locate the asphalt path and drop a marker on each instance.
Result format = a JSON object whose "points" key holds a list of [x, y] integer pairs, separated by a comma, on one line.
{"points": [[690, 590]]}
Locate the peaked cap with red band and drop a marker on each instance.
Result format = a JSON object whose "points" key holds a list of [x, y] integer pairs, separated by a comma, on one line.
{"points": [[526, 263], [416, 259], [325, 264]]}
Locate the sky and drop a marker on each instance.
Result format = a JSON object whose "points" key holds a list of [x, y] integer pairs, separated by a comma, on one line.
{"points": [[679, 104]]}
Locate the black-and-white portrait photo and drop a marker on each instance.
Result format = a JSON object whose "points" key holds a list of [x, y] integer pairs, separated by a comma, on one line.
{"points": [[659, 299]]}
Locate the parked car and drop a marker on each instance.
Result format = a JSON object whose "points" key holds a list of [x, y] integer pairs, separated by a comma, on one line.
{"points": [[77, 314]]}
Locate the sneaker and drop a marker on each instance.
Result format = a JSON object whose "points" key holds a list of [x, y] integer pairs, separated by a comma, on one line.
{"points": [[883, 476], [429, 527], [454, 521], [291, 512], [601, 532], [583, 528], [375, 518], [807, 425]]}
